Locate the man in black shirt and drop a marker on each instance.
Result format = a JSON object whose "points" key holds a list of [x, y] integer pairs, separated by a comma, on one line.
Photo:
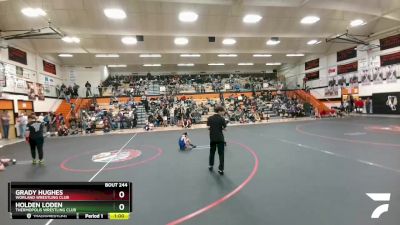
{"points": [[34, 136], [217, 124]]}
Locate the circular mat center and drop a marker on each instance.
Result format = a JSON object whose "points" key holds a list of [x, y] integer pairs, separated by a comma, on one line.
{"points": [[116, 156]]}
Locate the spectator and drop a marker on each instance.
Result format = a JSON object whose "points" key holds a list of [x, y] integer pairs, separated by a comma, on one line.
{"points": [[368, 105], [58, 90], [67, 94], [88, 87], [75, 91], [5, 122], [100, 87], [63, 88]]}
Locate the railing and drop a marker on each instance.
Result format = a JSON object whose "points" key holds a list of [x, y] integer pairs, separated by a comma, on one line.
{"points": [[75, 110], [309, 98]]}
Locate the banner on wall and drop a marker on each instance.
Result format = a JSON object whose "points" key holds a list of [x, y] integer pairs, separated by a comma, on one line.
{"points": [[49, 67], [390, 59], [332, 91], [31, 90], [347, 68], [17, 55], [389, 42], [19, 71], [311, 64], [72, 76], [332, 71], [386, 103], [378, 75], [46, 85], [40, 91], [3, 81], [29, 74], [312, 75], [346, 54]]}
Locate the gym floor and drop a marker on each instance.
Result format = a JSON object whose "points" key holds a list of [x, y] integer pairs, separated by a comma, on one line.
{"points": [[303, 173]]}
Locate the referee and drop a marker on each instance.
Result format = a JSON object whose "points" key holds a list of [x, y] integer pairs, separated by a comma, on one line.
{"points": [[34, 136], [217, 124]]}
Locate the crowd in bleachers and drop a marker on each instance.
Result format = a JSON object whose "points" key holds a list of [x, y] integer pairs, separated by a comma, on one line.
{"points": [[181, 112], [261, 107], [134, 85]]}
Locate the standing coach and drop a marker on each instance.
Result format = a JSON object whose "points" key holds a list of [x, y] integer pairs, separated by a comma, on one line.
{"points": [[217, 124]]}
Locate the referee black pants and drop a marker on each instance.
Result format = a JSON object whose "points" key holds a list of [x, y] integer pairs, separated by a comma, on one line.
{"points": [[213, 147], [36, 143]]}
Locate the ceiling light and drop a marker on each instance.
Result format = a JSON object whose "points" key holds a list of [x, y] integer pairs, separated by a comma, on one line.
{"points": [[115, 66], [229, 41], [357, 22], [216, 64], [313, 42], [33, 12], [69, 39], [181, 41], [65, 55], [150, 55], [190, 55], [245, 64], [252, 18], [295, 55], [117, 14], [129, 40], [188, 16], [262, 55], [186, 64], [273, 64], [152, 65], [107, 55], [227, 55], [309, 20], [273, 41]]}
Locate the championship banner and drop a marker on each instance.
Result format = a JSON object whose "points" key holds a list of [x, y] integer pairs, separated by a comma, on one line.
{"points": [[17, 55], [346, 54], [31, 88], [312, 75], [49, 67], [386, 103], [311, 64], [390, 59], [390, 42], [40, 91], [347, 68]]}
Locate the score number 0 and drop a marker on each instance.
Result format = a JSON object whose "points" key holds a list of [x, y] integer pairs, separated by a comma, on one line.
{"points": [[121, 195]]}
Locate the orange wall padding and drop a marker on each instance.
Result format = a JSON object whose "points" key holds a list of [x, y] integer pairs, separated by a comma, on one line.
{"points": [[25, 105], [6, 104]]}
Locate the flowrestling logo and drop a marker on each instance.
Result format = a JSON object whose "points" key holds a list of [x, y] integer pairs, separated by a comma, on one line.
{"points": [[379, 197], [114, 156]]}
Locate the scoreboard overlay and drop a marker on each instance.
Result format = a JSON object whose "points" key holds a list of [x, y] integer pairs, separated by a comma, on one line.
{"points": [[70, 200]]}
